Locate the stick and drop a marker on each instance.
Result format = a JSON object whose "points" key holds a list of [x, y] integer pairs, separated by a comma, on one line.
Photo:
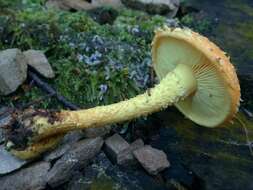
{"points": [[46, 87]]}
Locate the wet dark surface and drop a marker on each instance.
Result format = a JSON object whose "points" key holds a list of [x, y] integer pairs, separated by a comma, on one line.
{"points": [[217, 158]]}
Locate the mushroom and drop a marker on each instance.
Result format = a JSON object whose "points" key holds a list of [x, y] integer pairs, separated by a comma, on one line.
{"points": [[195, 76]]}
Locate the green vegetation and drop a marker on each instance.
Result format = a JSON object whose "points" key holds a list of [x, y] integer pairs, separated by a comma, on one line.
{"points": [[202, 25], [94, 64]]}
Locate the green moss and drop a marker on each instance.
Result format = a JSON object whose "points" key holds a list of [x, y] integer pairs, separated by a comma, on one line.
{"points": [[202, 25], [86, 56]]}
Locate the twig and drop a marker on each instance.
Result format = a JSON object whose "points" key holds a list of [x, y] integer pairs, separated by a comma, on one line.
{"points": [[46, 87]]}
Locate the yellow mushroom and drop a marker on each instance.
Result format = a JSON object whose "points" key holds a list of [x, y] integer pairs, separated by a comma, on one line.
{"points": [[195, 76]]}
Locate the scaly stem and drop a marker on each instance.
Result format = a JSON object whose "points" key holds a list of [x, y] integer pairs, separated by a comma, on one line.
{"points": [[177, 85]]}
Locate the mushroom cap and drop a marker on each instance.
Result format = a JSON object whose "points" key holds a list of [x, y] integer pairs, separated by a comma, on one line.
{"points": [[217, 96]]}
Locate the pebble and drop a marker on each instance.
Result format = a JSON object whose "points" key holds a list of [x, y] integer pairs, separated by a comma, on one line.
{"points": [[151, 159]]}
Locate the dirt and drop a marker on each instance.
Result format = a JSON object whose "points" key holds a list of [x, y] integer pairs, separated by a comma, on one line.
{"points": [[18, 129]]}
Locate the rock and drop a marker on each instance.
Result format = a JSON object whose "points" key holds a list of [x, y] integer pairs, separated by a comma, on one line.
{"points": [[13, 70], [80, 154], [171, 22], [119, 150], [104, 15], [1, 136], [57, 153], [102, 174], [66, 145], [5, 119], [73, 137], [82, 4], [134, 179], [9, 163], [37, 60], [112, 3], [151, 159], [126, 157], [97, 132], [69, 4], [31, 178], [169, 7], [114, 145]]}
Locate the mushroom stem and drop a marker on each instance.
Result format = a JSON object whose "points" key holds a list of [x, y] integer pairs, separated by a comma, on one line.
{"points": [[177, 85]]}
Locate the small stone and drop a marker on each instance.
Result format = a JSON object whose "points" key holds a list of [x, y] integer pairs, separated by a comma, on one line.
{"points": [[80, 154], [5, 120], [9, 163], [37, 60], [126, 157], [66, 144], [81, 4], [33, 177], [114, 145], [73, 137], [1, 136], [112, 3], [168, 7], [57, 153], [97, 132], [13, 70], [151, 159]]}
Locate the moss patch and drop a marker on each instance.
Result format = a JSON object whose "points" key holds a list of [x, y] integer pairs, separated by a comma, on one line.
{"points": [[94, 64]]}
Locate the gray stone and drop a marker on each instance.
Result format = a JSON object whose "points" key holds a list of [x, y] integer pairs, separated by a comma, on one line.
{"points": [[80, 154], [68, 140], [5, 120], [69, 4], [169, 7], [31, 178], [9, 163], [13, 70], [81, 4], [57, 153], [112, 3], [97, 132], [114, 145], [151, 159], [126, 157], [73, 137], [1, 136], [39, 62]]}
